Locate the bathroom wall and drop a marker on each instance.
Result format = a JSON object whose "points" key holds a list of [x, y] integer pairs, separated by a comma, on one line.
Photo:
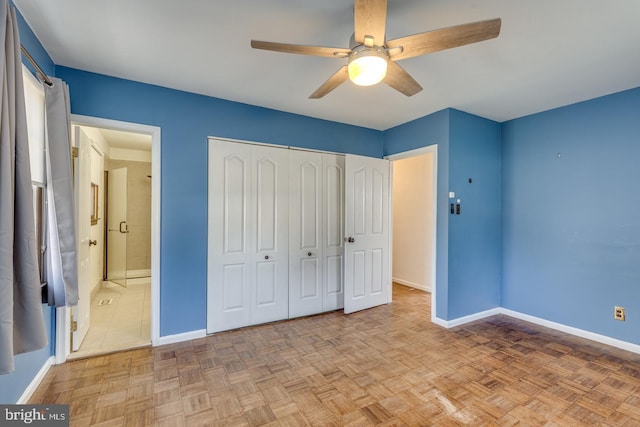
{"points": [[138, 215]]}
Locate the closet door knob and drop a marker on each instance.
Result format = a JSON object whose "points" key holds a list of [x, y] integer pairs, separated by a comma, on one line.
{"points": [[266, 257], [309, 254]]}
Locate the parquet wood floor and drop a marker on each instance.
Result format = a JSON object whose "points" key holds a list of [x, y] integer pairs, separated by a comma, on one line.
{"points": [[384, 366]]}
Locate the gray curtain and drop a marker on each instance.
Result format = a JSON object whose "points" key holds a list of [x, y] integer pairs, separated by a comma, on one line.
{"points": [[22, 327], [62, 268]]}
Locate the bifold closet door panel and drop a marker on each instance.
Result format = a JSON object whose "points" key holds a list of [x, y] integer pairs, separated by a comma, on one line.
{"points": [[333, 232], [269, 293], [230, 256], [276, 230], [305, 233], [247, 275]]}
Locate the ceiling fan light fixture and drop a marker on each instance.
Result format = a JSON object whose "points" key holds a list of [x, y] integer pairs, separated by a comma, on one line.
{"points": [[367, 66]]}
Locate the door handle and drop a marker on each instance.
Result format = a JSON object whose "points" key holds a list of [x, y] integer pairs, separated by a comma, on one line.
{"points": [[309, 254], [349, 239], [126, 228], [93, 242]]}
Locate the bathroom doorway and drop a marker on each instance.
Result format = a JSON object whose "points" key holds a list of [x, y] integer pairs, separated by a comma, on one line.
{"points": [[118, 294]]}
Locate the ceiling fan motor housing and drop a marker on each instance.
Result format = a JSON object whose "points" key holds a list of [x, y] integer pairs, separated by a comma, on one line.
{"points": [[368, 65]]}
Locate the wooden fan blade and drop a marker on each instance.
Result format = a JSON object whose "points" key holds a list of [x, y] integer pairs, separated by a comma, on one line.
{"points": [[400, 80], [331, 52], [370, 19], [334, 81], [445, 38]]}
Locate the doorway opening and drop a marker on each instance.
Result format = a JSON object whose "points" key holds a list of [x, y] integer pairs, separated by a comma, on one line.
{"points": [[118, 248], [414, 209]]}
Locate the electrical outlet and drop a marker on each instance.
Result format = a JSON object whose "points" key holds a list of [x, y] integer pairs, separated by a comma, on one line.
{"points": [[618, 313]]}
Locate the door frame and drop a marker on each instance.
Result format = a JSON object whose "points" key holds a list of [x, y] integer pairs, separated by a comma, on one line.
{"points": [[405, 155], [63, 314]]}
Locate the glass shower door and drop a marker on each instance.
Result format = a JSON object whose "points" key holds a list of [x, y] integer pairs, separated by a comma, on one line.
{"points": [[117, 227]]}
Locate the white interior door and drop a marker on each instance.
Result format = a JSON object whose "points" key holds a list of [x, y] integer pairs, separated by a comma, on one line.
{"points": [[82, 178], [117, 229], [367, 272], [305, 233], [270, 234]]}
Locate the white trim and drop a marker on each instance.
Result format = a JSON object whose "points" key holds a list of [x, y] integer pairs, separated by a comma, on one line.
{"points": [[425, 288], [267, 144], [63, 327], [438, 321], [467, 319], [390, 242], [35, 382], [63, 323], [185, 336], [134, 274], [603, 339], [135, 281], [412, 153], [417, 152]]}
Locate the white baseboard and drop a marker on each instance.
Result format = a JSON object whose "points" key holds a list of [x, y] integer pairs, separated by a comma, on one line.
{"points": [[185, 336], [603, 339], [33, 385], [467, 319], [425, 288], [132, 274], [438, 321]]}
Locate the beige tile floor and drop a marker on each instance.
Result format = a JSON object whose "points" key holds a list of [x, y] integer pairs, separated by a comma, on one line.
{"points": [[123, 324]]}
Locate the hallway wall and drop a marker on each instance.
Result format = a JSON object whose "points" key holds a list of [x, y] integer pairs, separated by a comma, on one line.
{"points": [[413, 213]]}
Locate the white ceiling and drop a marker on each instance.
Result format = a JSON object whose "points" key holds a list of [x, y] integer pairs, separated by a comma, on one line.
{"points": [[126, 140], [549, 53]]}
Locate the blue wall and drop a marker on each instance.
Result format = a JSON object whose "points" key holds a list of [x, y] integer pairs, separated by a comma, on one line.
{"points": [[475, 244], [27, 365], [468, 248], [186, 119], [431, 130], [571, 223]]}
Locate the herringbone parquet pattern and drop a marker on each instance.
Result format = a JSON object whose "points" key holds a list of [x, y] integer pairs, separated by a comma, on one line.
{"points": [[384, 366]]}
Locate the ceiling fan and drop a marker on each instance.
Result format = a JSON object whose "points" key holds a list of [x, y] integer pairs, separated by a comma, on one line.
{"points": [[372, 58]]}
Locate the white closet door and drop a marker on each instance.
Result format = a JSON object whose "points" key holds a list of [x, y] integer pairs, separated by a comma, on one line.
{"points": [[332, 232], [271, 189], [367, 278], [305, 237], [231, 256]]}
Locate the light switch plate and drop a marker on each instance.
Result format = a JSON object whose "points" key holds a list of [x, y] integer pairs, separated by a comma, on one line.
{"points": [[452, 195]]}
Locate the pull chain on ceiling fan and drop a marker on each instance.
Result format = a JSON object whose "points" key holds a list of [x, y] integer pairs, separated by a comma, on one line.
{"points": [[372, 59]]}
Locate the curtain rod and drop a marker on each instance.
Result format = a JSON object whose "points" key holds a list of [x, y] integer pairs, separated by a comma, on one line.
{"points": [[46, 78]]}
